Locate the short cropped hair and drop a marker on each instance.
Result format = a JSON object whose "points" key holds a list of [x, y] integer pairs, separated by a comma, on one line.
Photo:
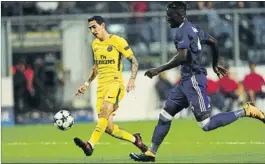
{"points": [[178, 5], [98, 19]]}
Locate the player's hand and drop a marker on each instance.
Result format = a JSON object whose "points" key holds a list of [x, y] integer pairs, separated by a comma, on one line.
{"points": [[130, 85], [219, 70], [82, 89], [151, 72]]}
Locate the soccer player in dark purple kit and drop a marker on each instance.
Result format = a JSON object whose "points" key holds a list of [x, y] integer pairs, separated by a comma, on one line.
{"points": [[191, 91]]}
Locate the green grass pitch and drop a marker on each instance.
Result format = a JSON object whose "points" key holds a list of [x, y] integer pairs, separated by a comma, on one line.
{"points": [[243, 141]]}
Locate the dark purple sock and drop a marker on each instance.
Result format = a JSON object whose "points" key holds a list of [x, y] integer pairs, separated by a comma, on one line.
{"points": [[223, 119], [159, 134]]}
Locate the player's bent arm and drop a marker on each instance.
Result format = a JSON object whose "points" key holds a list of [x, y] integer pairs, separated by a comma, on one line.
{"points": [[212, 42], [93, 74], [134, 66], [177, 59]]}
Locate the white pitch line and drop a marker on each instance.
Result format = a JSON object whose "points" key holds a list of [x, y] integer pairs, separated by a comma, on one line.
{"points": [[125, 143]]}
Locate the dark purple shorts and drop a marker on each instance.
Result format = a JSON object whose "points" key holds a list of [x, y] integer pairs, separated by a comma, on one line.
{"points": [[190, 92]]}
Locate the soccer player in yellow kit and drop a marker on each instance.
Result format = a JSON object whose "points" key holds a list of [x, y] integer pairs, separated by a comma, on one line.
{"points": [[109, 49]]}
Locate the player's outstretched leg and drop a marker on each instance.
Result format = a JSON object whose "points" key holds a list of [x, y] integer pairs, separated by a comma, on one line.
{"points": [[106, 110], [119, 133], [174, 104], [139, 142], [223, 119], [136, 138], [160, 132]]}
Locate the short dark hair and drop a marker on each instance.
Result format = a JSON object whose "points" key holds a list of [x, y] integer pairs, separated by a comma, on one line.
{"points": [[98, 19], [251, 63], [178, 5]]}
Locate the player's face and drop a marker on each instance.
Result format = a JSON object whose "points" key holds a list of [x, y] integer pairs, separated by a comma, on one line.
{"points": [[252, 67], [96, 29], [173, 18]]}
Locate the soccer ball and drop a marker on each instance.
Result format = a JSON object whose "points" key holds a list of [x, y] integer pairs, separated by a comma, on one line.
{"points": [[63, 120]]}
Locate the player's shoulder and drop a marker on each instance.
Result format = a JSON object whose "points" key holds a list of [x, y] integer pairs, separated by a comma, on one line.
{"points": [[192, 29], [117, 38], [95, 41]]}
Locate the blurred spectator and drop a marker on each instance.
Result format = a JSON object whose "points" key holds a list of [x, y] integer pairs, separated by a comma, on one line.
{"points": [[232, 91], [13, 69], [137, 31], [202, 20], [221, 29], [30, 92], [38, 81], [29, 76], [67, 7], [246, 36], [253, 83], [163, 87], [29, 8], [200, 5], [228, 86], [139, 7], [216, 98], [51, 79], [156, 5], [20, 86], [101, 7], [9, 9], [118, 7], [86, 6], [47, 7], [216, 22]]}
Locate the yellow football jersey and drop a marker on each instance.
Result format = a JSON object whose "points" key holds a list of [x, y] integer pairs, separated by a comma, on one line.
{"points": [[108, 56]]}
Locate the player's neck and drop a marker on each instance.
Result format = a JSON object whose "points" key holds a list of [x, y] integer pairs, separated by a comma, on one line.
{"points": [[182, 23], [106, 35]]}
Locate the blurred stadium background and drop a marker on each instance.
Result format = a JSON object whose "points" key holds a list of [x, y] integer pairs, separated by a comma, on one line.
{"points": [[46, 55]]}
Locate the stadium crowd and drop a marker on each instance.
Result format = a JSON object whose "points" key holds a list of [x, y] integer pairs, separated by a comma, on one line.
{"points": [[50, 8]]}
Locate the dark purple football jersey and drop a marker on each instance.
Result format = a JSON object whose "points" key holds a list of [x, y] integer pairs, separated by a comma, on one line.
{"points": [[191, 37]]}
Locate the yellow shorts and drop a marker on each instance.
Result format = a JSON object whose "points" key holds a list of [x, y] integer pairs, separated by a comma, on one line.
{"points": [[113, 93]]}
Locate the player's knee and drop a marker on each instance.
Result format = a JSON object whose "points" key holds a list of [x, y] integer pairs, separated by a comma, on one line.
{"points": [[103, 113], [165, 117], [109, 130], [106, 110], [205, 124]]}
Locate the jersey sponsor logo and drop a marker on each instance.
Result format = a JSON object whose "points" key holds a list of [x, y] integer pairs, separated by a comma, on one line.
{"points": [[177, 42], [180, 42], [109, 49], [103, 60], [112, 61]]}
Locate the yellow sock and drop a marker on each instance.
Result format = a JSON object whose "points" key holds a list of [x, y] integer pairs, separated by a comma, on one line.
{"points": [[149, 153], [122, 134], [99, 130]]}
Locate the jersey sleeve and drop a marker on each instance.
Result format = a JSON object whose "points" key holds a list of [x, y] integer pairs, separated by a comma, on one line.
{"points": [[189, 39], [203, 35], [123, 47], [184, 38]]}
